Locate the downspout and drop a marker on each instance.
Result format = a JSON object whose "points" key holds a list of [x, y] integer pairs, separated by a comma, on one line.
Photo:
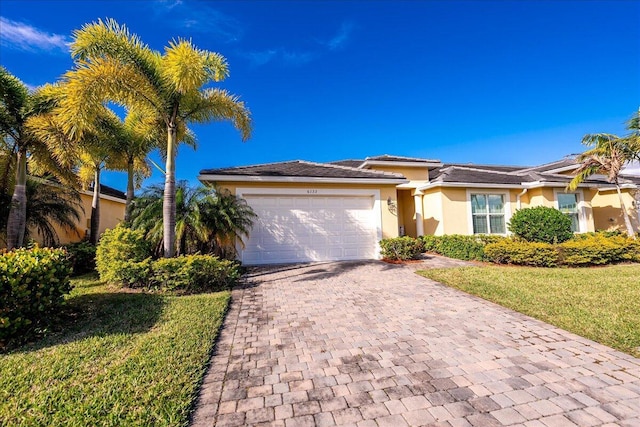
{"points": [[518, 203]]}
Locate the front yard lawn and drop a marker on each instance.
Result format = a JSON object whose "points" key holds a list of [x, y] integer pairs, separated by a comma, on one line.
{"points": [[122, 358], [602, 304]]}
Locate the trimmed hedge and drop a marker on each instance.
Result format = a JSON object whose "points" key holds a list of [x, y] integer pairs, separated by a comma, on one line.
{"points": [[520, 252], [118, 253], [33, 283], [194, 273], [592, 249], [541, 224], [460, 246], [82, 256], [401, 248]]}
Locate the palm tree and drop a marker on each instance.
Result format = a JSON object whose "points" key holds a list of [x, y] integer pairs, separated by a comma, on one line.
{"points": [[228, 219], [50, 204], [140, 136], [206, 221], [17, 106], [114, 65], [608, 155], [91, 152]]}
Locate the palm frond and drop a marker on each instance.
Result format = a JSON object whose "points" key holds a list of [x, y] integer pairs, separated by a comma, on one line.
{"points": [[218, 105]]}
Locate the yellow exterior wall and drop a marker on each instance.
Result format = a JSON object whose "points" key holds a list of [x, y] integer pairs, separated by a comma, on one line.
{"points": [[412, 174], [447, 210], [432, 212], [111, 214], [546, 196], [607, 211], [389, 216], [407, 212]]}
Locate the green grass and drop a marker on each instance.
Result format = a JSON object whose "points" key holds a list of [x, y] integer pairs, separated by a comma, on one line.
{"points": [[602, 304], [121, 358]]}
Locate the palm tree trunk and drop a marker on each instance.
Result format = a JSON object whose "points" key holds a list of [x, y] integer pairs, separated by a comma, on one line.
{"points": [[17, 221], [169, 200], [625, 214], [95, 209], [127, 205]]}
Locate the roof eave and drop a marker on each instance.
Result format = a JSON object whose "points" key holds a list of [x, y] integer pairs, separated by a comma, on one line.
{"points": [[300, 179]]}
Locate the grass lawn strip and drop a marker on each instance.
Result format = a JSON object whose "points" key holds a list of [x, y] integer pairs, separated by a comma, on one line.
{"points": [[127, 359], [602, 304]]}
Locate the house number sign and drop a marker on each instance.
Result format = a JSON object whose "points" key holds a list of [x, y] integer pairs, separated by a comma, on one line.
{"points": [[312, 191]]}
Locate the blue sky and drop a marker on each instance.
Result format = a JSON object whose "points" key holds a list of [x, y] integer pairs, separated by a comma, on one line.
{"points": [[470, 81]]}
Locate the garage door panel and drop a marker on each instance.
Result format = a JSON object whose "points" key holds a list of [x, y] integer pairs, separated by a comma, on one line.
{"points": [[311, 228]]}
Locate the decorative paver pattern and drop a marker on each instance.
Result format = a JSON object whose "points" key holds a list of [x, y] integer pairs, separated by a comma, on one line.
{"points": [[374, 344]]}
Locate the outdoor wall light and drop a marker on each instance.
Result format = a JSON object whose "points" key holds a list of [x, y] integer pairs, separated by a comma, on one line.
{"points": [[392, 205]]}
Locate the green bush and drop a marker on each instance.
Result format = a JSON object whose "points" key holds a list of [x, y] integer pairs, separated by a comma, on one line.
{"points": [[520, 252], [401, 248], [597, 249], [118, 252], [459, 246], [194, 273], [33, 283], [541, 224], [82, 256]]}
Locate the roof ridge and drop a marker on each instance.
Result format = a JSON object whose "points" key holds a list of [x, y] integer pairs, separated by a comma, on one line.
{"points": [[374, 172], [254, 165], [480, 170], [421, 159]]}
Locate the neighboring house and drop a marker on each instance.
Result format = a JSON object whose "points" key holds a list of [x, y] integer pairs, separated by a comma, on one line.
{"points": [[112, 203], [339, 211]]}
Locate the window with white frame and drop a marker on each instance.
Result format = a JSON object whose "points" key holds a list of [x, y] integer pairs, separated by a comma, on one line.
{"points": [[568, 205], [488, 213]]}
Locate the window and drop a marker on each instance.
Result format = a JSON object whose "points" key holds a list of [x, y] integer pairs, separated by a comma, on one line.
{"points": [[487, 211], [568, 205]]}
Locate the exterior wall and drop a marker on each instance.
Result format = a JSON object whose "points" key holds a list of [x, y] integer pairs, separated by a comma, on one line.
{"points": [[407, 212], [111, 214], [607, 211], [412, 174], [389, 217], [432, 212], [448, 210], [547, 196]]}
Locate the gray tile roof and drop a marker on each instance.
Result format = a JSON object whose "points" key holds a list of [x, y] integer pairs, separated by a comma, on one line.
{"points": [[301, 168], [110, 191]]}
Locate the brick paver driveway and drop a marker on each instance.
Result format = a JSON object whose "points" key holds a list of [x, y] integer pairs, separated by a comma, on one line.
{"points": [[373, 344]]}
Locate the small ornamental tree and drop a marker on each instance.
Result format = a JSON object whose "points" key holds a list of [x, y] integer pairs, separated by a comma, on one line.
{"points": [[541, 224]]}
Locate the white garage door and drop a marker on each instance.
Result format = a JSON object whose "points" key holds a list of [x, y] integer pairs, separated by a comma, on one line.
{"points": [[300, 228]]}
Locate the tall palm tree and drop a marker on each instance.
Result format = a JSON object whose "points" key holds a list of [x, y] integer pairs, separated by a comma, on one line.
{"points": [[607, 156], [206, 221], [90, 152], [17, 106], [140, 134], [114, 65]]}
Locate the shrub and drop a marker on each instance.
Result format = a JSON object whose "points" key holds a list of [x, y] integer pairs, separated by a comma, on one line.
{"points": [[597, 249], [536, 254], [33, 283], [541, 224], [82, 256], [459, 246], [118, 251], [401, 248], [194, 273]]}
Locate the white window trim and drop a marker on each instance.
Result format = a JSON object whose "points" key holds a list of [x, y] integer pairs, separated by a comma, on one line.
{"points": [[507, 210], [582, 209]]}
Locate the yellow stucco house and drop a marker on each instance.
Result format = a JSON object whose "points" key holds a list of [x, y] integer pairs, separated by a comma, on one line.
{"points": [[311, 211], [112, 206]]}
